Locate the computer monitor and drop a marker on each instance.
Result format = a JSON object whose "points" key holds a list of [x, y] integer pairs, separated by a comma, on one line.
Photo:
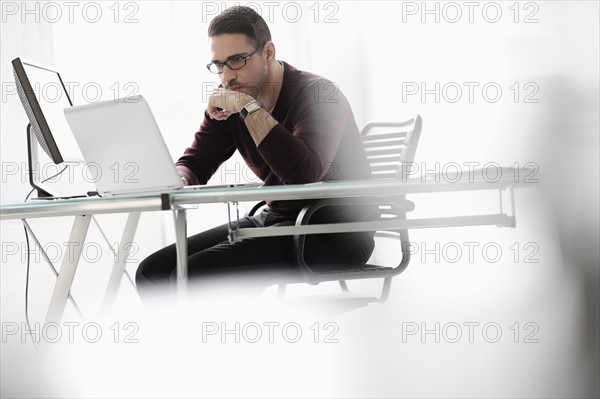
{"points": [[47, 81]]}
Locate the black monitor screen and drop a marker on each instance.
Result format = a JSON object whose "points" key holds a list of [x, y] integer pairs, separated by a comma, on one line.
{"points": [[44, 97]]}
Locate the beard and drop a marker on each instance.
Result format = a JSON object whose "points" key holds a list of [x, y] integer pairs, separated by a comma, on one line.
{"points": [[256, 89], [250, 89]]}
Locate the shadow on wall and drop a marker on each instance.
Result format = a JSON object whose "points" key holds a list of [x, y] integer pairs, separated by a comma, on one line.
{"points": [[568, 137]]}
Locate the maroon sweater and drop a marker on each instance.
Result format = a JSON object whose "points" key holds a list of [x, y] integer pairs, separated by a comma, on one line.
{"points": [[316, 140]]}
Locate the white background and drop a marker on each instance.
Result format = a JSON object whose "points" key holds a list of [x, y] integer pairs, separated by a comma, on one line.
{"points": [[546, 52]]}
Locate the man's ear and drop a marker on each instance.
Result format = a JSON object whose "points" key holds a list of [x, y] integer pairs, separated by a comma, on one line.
{"points": [[269, 50]]}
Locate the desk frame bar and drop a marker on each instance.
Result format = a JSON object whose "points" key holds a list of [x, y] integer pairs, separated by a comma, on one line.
{"points": [[118, 270], [49, 262], [67, 269], [388, 225], [358, 189], [179, 215]]}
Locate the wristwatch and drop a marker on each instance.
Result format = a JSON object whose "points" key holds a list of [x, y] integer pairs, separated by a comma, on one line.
{"points": [[249, 108]]}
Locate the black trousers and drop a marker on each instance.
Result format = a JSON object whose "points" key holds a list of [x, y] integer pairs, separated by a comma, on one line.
{"points": [[259, 262]]}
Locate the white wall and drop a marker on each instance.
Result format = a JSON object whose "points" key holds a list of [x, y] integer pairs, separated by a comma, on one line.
{"points": [[376, 52]]}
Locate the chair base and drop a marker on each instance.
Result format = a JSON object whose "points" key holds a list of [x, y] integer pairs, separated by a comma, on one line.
{"points": [[346, 296], [330, 305]]}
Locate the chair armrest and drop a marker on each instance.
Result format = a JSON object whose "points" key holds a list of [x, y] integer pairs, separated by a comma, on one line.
{"points": [[399, 205], [256, 208]]}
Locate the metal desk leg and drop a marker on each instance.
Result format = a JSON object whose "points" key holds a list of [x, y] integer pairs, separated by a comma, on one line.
{"points": [[67, 269], [119, 267], [181, 244], [49, 262]]}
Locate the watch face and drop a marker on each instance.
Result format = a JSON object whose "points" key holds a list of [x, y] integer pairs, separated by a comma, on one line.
{"points": [[253, 106], [249, 108]]}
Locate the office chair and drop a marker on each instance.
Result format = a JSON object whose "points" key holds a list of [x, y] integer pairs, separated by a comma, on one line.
{"points": [[390, 147]]}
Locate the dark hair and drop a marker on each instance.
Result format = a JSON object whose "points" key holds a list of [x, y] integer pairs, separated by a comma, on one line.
{"points": [[240, 19]]}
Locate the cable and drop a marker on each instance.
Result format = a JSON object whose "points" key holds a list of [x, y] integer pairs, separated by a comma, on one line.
{"points": [[29, 256], [45, 180], [56, 273], [27, 284]]}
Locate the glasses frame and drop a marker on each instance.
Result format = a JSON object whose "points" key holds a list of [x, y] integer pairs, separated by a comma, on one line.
{"points": [[226, 62]]}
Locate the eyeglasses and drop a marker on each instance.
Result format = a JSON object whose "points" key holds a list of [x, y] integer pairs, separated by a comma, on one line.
{"points": [[233, 63]]}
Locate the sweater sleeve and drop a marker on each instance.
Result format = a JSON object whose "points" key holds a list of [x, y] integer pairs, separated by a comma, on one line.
{"points": [[306, 154], [211, 147]]}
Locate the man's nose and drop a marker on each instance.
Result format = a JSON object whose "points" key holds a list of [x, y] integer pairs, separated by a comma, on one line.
{"points": [[228, 75]]}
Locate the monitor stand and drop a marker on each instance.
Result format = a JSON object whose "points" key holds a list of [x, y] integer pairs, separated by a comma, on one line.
{"points": [[32, 158]]}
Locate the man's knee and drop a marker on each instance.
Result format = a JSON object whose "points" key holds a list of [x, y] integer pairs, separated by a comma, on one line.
{"points": [[153, 269], [142, 282], [340, 250], [141, 273]]}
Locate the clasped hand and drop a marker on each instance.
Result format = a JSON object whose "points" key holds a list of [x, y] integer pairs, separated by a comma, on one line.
{"points": [[223, 103]]}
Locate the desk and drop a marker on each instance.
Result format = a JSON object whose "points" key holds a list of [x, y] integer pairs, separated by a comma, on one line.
{"points": [[82, 209], [180, 201], [177, 201]]}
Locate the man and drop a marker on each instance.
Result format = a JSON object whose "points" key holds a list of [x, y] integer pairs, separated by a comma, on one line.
{"points": [[291, 127]]}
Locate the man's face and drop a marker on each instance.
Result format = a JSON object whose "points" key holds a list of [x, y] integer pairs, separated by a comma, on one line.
{"points": [[253, 76]]}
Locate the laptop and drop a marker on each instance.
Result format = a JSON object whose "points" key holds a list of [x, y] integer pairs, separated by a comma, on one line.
{"points": [[123, 148]]}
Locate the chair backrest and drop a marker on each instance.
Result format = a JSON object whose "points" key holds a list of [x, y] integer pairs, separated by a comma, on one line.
{"points": [[390, 146]]}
